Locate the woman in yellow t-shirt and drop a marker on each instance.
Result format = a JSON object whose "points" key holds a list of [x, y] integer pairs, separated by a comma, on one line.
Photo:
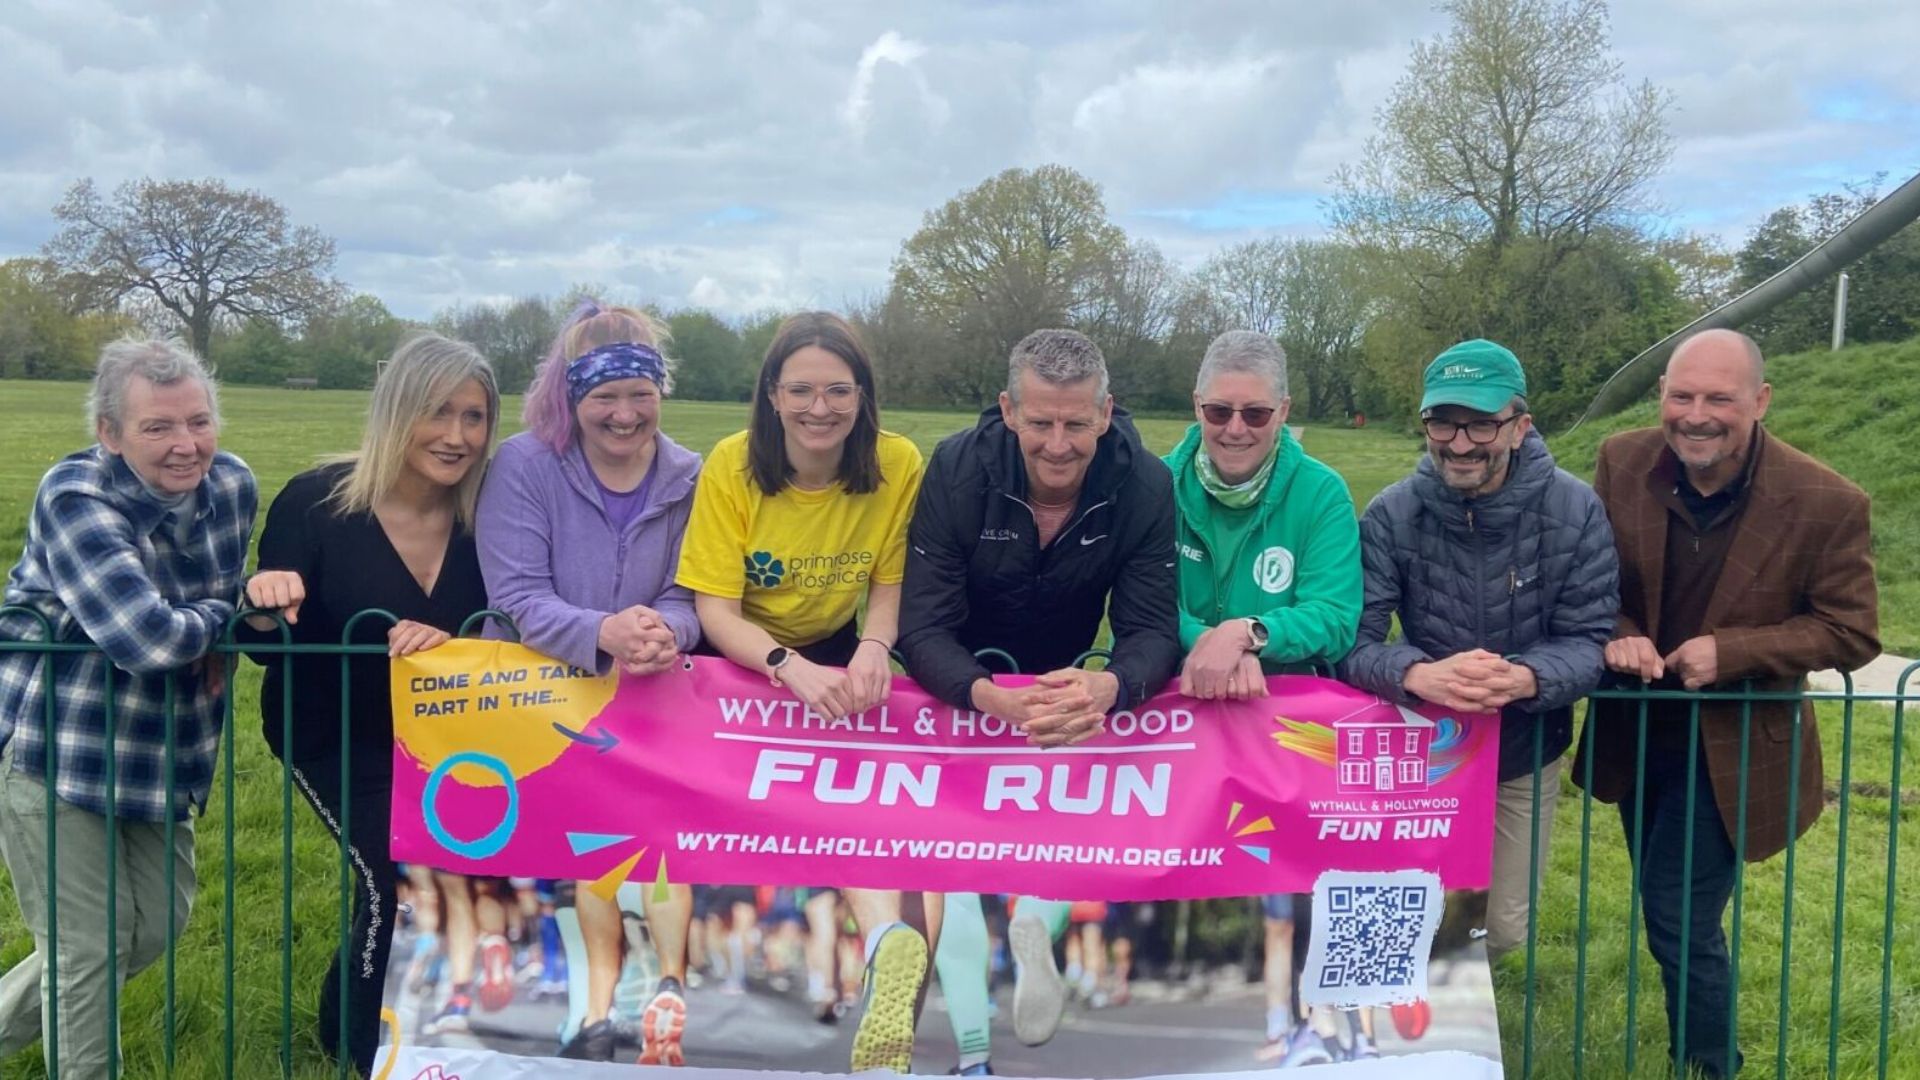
{"points": [[795, 521]]}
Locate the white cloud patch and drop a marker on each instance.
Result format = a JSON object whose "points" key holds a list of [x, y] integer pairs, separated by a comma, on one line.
{"points": [[748, 154]]}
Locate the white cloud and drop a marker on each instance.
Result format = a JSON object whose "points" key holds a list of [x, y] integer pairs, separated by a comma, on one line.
{"points": [[457, 151]]}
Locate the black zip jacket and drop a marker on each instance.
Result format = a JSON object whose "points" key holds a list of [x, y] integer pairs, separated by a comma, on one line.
{"points": [[978, 579]]}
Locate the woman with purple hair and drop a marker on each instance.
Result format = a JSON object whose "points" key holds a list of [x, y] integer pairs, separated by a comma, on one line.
{"points": [[579, 532]]}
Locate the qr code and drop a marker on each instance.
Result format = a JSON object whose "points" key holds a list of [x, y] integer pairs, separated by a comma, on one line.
{"points": [[1370, 937]]}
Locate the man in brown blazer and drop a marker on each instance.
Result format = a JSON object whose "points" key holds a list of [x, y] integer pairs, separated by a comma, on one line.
{"points": [[1742, 560]]}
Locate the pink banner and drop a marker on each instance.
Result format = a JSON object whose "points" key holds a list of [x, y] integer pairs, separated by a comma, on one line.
{"points": [[508, 763]]}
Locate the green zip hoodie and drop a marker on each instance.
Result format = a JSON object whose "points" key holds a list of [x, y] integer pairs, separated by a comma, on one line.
{"points": [[1295, 565]]}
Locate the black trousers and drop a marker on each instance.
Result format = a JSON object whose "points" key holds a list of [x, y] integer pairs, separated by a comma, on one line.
{"points": [[1664, 879], [370, 934]]}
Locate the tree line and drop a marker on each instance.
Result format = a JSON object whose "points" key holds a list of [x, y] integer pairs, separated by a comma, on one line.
{"points": [[1503, 194]]}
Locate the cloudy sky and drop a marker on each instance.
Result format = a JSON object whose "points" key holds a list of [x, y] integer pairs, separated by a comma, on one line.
{"points": [[743, 156]]}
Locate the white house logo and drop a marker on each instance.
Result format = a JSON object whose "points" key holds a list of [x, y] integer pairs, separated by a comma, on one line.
{"points": [[1377, 751], [1273, 570]]}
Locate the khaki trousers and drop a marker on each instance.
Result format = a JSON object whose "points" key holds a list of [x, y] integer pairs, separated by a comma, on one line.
{"points": [[1517, 863], [88, 1033]]}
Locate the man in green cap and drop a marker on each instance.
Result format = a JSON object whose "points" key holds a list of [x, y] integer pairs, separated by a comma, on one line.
{"points": [[1502, 570]]}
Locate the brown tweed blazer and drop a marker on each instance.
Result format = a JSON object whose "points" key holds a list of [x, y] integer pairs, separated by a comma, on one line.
{"points": [[1796, 595]]}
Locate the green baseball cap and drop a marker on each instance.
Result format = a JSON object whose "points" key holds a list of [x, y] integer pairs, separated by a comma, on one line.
{"points": [[1478, 374]]}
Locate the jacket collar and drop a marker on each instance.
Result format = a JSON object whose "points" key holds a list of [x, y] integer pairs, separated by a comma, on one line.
{"points": [[142, 507], [1529, 474], [675, 470], [1192, 497], [997, 452]]}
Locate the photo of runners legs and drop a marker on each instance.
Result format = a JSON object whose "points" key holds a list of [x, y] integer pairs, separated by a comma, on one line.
{"points": [[790, 978]]}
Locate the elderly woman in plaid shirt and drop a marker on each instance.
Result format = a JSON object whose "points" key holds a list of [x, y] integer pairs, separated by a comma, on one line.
{"points": [[136, 546]]}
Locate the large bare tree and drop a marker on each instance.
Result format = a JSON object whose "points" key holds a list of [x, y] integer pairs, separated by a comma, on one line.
{"points": [[196, 248]]}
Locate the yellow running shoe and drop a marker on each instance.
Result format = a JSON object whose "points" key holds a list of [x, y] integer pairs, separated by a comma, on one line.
{"points": [[894, 972]]}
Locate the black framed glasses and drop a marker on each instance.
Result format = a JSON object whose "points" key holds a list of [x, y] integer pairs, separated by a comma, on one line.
{"points": [[1255, 416], [1479, 432]]}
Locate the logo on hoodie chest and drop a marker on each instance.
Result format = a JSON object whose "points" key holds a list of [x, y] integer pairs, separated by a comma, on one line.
{"points": [[1273, 570]]}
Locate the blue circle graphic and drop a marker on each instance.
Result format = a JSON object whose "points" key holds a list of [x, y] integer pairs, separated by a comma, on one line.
{"points": [[489, 844]]}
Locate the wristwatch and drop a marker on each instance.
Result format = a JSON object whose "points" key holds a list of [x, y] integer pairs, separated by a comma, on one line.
{"points": [[1256, 633], [776, 660]]}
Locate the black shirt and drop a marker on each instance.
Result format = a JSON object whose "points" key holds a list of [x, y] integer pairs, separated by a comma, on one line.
{"points": [[347, 565]]}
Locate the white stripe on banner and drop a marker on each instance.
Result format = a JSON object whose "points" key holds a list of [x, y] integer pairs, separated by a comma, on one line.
{"points": [[429, 1063]]}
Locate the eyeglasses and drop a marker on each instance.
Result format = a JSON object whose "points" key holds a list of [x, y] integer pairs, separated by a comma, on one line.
{"points": [[1255, 416], [1479, 432], [841, 397]]}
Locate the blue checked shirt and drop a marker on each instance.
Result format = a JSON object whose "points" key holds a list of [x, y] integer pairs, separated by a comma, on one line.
{"points": [[103, 566]]}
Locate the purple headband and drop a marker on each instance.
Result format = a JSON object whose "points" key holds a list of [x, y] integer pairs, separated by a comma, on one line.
{"points": [[621, 360]]}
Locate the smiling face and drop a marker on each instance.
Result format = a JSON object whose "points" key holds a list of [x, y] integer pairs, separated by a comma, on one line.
{"points": [[811, 383], [447, 443], [1238, 448], [167, 434], [1059, 426], [618, 419], [1470, 468], [1710, 400]]}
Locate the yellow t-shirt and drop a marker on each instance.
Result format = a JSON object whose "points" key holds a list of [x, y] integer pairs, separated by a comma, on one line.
{"points": [[799, 561]]}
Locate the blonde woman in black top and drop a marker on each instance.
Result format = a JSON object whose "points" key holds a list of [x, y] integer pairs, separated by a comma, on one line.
{"points": [[389, 527]]}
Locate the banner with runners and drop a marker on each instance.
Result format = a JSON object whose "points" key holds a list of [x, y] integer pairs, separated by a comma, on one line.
{"points": [[695, 866]]}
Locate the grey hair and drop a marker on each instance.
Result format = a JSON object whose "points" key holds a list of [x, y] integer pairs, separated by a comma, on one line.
{"points": [[1059, 357], [1248, 352], [161, 361], [420, 376]]}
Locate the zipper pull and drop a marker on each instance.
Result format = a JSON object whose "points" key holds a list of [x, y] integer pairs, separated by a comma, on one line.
{"points": [[1469, 519], [1513, 581], [1696, 543]]}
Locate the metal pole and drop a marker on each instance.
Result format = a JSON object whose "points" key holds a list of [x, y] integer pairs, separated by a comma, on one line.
{"points": [[1840, 312]]}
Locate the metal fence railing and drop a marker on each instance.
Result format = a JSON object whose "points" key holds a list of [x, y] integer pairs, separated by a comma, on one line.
{"points": [[1822, 985]]}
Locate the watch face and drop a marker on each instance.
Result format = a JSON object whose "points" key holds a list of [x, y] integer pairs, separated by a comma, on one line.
{"points": [[1257, 630], [777, 657]]}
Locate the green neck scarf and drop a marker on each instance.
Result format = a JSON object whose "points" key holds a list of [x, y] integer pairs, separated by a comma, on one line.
{"points": [[1234, 496]]}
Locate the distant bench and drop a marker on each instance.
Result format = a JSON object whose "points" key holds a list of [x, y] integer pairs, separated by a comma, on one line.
{"points": [[302, 384]]}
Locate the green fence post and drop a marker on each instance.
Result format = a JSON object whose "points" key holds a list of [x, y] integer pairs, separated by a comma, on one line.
{"points": [[1893, 857], [1786, 911], [173, 928], [1533, 903], [113, 887], [1840, 882], [1633, 902], [1586, 872], [1739, 880]]}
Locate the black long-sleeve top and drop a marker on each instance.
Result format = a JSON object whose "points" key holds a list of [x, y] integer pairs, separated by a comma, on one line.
{"points": [[347, 565]]}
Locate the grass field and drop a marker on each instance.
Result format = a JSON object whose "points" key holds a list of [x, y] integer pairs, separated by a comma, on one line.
{"points": [[281, 432]]}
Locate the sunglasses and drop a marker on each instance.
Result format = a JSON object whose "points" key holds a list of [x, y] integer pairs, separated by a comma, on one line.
{"points": [[1255, 416]]}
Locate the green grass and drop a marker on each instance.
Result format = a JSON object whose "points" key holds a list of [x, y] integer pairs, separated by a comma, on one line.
{"points": [[282, 432]]}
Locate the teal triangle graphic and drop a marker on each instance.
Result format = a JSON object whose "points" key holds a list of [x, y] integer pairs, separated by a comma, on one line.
{"points": [[584, 842], [1265, 855]]}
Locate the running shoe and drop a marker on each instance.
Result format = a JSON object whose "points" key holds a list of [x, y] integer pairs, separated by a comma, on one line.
{"points": [[593, 1042], [1306, 1047], [496, 973], [452, 1016], [1362, 1048], [884, 1039], [662, 1024], [982, 1068], [1039, 994]]}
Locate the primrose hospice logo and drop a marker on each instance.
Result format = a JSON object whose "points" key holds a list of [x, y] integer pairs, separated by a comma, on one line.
{"points": [[764, 570]]}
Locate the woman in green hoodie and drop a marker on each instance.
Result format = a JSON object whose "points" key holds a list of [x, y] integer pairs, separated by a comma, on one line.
{"points": [[1269, 553]]}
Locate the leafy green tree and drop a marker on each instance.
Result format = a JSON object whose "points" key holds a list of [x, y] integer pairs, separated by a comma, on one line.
{"points": [[1883, 287], [257, 353], [712, 365], [39, 337], [344, 348], [1025, 249]]}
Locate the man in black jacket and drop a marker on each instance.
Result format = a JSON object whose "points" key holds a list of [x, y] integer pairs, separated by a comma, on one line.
{"points": [[1046, 514]]}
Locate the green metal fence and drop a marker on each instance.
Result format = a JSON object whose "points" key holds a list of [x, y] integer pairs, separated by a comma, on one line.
{"points": [[1571, 1008]]}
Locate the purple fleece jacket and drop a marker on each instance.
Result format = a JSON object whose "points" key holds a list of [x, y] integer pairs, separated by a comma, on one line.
{"points": [[553, 561]]}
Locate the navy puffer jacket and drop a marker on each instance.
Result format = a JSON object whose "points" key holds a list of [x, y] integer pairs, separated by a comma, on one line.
{"points": [[1528, 572]]}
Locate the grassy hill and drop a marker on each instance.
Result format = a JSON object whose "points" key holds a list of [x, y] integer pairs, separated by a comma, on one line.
{"points": [[1858, 410]]}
